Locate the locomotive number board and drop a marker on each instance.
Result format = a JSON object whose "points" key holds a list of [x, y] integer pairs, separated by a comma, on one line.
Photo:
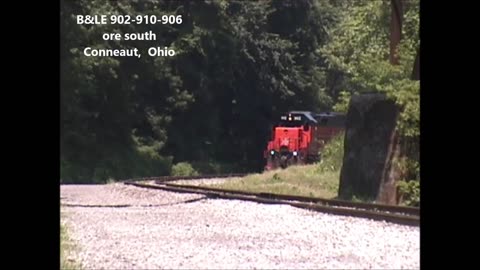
{"points": [[291, 118]]}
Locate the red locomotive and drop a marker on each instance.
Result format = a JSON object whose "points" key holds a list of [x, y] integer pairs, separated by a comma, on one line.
{"points": [[300, 136]]}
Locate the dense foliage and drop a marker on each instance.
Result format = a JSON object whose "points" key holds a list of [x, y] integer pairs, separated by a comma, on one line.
{"points": [[358, 56], [332, 154], [238, 65], [183, 169]]}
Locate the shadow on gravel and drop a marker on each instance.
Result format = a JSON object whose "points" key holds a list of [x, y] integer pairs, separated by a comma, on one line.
{"points": [[131, 205]]}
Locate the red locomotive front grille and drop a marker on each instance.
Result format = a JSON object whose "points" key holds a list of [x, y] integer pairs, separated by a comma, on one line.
{"points": [[287, 137]]}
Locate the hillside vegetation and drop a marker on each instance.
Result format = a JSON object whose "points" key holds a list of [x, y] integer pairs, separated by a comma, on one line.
{"points": [[237, 66]]}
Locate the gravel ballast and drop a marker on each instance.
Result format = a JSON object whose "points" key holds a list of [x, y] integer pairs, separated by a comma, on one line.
{"points": [[124, 227], [205, 181]]}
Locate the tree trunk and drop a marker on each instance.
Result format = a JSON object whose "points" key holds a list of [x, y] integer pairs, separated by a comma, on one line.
{"points": [[416, 67], [395, 29]]}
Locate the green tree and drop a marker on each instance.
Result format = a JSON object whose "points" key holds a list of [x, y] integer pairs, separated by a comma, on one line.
{"points": [[358, 55], [359, 51], [238, 64]]}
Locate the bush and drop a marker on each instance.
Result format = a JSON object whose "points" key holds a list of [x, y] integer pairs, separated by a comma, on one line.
{"points": [[73, 173], [149, 163], [332, 154], [410, 192], [183, 169], [130, 163]]}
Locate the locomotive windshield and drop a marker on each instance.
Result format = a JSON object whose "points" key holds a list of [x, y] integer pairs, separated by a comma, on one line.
{"points": [[291, 121], [296, 119], [301, 118]]}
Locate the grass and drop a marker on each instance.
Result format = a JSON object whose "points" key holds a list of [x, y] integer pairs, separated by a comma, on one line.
{"points": [[296, 180], [66, 246]]}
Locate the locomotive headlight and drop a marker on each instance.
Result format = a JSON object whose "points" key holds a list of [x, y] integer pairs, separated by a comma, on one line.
{"points": [[295, 153], [272, 152]]}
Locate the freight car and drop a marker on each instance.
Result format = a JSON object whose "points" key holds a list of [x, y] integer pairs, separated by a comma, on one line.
{"points": [[299, 137]]}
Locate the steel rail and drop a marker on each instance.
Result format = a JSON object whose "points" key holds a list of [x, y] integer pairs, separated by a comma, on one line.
{"points": [[352, 210]]}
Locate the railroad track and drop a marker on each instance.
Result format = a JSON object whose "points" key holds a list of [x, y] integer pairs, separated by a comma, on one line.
{"points": [[176, 178], [395, 214]]}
